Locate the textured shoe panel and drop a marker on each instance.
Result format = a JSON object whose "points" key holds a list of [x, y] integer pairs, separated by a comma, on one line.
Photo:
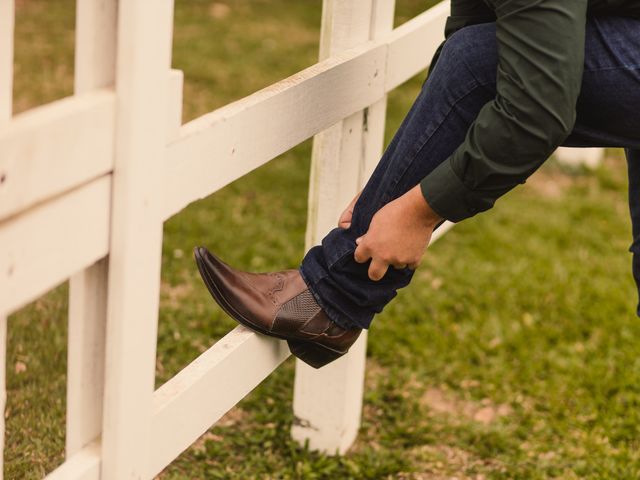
{"points": [[296, 312], [302, 305]]}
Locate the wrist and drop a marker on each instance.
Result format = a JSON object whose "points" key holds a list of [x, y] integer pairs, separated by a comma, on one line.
{"points": [[423, 210]]}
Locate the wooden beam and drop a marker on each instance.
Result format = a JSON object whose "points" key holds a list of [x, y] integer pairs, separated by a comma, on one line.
{"points": [[7, 16], [55, 148], [85, 355], [94, 68], [328, 402], [174, 104], [3, 387], [82, 465], [226, 144], [589, 158], [95, 55], [143, 63], [442, 229], [207, 388], [45, 245]]}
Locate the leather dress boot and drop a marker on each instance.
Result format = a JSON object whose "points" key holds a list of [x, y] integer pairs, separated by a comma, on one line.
{"points": [[278, 304]]}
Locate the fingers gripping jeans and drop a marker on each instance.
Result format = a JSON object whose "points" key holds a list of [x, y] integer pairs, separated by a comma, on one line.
{"points": [[461, 83]]}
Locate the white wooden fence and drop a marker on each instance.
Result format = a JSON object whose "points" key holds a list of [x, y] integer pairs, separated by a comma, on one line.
{"points": [[87, 181]]}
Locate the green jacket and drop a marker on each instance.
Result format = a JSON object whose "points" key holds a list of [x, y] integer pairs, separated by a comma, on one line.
{"points": [[534, 108]]}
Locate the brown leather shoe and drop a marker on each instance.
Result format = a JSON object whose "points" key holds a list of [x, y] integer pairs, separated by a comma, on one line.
{"points": [[277, 304]]}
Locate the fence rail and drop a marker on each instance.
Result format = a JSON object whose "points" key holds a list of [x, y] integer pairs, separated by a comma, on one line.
{"points": [[86, 183]]}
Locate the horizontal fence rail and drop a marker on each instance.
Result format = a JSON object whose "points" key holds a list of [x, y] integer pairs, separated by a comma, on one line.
{"points": [[76, 131], [222, 146], [52, 241]]}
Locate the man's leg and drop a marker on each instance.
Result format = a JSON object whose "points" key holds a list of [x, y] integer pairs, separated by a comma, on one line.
{"points": [[461, 83], [609, 106]]}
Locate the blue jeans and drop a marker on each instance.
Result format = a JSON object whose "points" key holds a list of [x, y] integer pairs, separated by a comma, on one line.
{"points": [[462, 81]]}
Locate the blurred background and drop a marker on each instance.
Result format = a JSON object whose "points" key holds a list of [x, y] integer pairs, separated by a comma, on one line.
{"points": [[513, 354]]}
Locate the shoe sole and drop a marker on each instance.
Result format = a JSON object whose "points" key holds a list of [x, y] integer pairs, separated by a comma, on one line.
{"points": [[311, 353]]}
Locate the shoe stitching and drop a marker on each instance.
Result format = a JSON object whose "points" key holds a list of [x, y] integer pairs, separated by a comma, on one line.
{"points": [[275, 290]]}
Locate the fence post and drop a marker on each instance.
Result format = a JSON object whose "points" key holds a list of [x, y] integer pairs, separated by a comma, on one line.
{"points": [[7, 16], [94, 68], [590, 158], [143, 62], [328, 402]]}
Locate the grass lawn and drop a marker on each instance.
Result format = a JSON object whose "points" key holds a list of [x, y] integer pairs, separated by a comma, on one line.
{"points": [[513, 355]]}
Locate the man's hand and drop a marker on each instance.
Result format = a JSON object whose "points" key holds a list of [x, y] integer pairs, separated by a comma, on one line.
{"points": [[345, 219], [398, 234]]}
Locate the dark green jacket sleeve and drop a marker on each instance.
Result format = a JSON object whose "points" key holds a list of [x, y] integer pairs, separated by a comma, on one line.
{"points": [[540, 64]]}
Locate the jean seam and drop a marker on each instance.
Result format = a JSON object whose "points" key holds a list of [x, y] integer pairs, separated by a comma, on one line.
{"points": [[617, 67]]}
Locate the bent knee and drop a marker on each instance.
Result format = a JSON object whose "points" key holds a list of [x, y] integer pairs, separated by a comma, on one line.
{"points": [[471, 52]]}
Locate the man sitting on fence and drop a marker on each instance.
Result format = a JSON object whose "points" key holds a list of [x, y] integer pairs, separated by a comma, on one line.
{"points": [[514, 80]]}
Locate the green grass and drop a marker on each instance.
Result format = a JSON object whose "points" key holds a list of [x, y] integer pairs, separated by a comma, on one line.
{"points": [[513, 354]]}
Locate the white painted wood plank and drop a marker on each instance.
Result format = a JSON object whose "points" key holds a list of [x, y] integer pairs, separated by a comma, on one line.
{"points": [[143, 62], [188, 404], [334, 180], [7, 15], [85, 354], [382, 17], [54, 148], [83, 465], [44, 246], [328, 402], [94, 68], [174, 117], [412, 45], [337, 150], [95, 47], [345, 24], [3, 387], [439, 233], [221, 146], [580, 157], [375, 115]]}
